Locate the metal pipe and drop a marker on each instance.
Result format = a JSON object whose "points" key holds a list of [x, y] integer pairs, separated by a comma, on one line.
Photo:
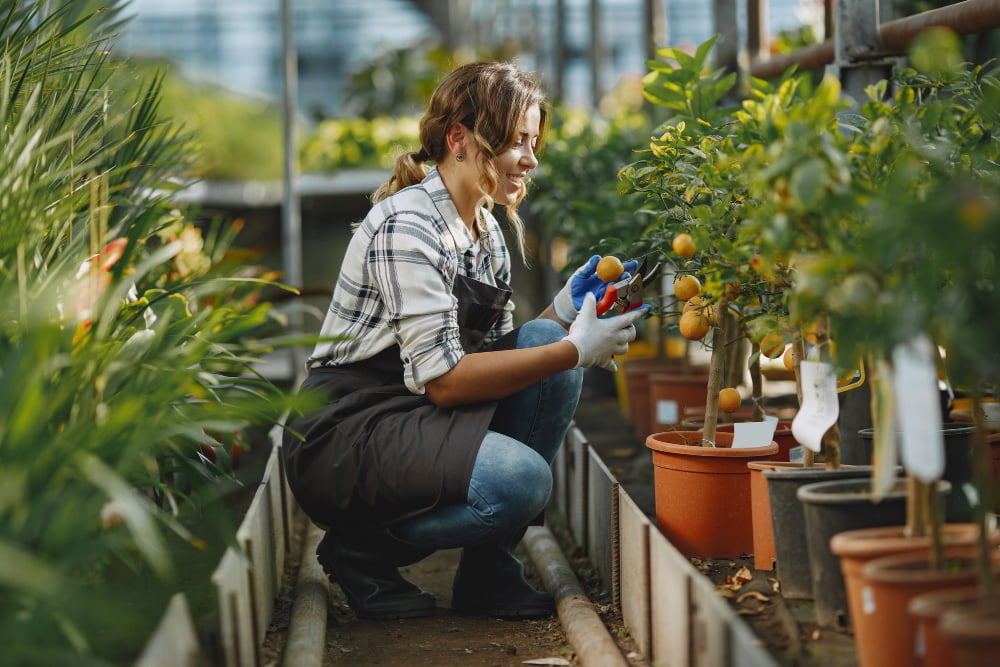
{"points": [[965, 18], [291, 218]]}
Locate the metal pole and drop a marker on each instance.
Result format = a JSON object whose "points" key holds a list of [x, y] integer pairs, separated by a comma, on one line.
{"points": [[655, 28], [856, 46], [730, 50], [291, 221], [596, 53], [559, 66]]}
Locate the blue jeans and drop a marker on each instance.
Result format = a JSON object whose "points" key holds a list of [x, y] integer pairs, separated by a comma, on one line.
{"points": [[512, 477]]}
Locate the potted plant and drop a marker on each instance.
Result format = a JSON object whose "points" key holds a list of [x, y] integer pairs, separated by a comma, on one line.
{"points": [[698, 200], [126, 345]]}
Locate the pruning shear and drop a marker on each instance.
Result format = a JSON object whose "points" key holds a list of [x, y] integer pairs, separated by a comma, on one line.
{"points": [[626, 294]]}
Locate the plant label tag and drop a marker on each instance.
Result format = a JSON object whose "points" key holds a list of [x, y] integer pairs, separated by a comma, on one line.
{"points": [[667, 412], [819, 409], [754, 434], [918, 408]]}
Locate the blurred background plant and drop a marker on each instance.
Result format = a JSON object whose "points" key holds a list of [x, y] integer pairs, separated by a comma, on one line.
{"points": [[127, 346]]}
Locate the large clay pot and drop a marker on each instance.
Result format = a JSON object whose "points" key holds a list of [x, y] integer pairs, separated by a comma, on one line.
{"points": [[833, 507], [856, 547], [788, 522], [764, 555], [670, 394], [957, 466], [703, 493], [974, 632], [638, 374], [885, 633]]}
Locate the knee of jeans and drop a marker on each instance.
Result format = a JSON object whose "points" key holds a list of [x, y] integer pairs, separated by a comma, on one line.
{"points": [[541, 331], [536, 489]]}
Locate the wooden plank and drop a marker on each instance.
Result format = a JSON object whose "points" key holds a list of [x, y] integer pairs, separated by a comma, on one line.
{"points": [[281, 537], [558, 501], [748, 650], [670, 575], [235, 613], [577, 460], [174, 642], [710, 620], [289, 505], [256, 536], [634, 529], [602, 487]]}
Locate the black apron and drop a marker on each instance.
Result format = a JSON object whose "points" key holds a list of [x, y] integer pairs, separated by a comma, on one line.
{"points": [[378, 453]]}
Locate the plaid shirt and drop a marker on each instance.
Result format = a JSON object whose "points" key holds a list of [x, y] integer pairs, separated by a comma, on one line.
{"points": [[395, 284]]}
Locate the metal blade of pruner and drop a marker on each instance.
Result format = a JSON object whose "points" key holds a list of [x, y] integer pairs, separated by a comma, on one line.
{"points": [[626, 294]]}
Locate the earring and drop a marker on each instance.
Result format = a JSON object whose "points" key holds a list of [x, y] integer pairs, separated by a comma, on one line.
{"points": [[460, 157]]}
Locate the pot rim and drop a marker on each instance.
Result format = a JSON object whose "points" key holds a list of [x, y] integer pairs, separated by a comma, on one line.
{"points": [[893, 539], [947, 428], [829, 493], [656, 443], [894, 569], [819, 472], [935, 603]]}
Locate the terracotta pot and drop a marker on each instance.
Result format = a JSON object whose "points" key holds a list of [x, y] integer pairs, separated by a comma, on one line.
{"points": [[637, 383], [885, 634], [974, 632], [789, 525], [670, 394], [854, 548], [702, 494], [931, 647], [764, 555]]}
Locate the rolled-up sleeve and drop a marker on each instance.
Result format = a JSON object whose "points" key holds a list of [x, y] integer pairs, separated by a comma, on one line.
{"points": [[415, 273]]}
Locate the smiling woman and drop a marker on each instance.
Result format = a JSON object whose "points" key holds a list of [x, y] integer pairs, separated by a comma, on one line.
{"points": [[441, 420]]}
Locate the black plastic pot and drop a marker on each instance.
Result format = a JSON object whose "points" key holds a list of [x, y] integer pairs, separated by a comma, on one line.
{"points": [[834, 507], [957, 467], [791, 549]]}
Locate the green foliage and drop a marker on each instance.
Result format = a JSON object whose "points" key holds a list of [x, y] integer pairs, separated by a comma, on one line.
{"points": [[575, 196], [236, 137], [341, 143], [127, 337]]}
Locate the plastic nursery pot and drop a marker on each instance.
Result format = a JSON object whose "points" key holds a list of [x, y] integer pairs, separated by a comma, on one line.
{"points": [[854, 548], [764, 556], [788, 522], [887, 586], [974, 631], [957, 467], [671, 394], [931, 646], [702, 494], [637, 374], [834, 507]]}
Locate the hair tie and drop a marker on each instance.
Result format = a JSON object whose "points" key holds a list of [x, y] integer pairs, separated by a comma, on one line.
{"points": [[423, 155]]}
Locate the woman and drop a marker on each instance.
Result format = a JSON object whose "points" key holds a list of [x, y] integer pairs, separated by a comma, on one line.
{"points": [[440, 420]]}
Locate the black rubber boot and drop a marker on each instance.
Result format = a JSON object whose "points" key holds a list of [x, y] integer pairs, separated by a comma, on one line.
{"points": [[364, 565], [490, 581]]}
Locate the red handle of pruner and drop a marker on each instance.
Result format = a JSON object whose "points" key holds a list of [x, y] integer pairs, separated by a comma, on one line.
{"points": [[608, 300]]}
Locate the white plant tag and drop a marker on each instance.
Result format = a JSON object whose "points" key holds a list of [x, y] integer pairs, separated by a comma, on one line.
{"points": [[667, 412], [885, 457], [819, 409], [754, 434], [918, 408]]}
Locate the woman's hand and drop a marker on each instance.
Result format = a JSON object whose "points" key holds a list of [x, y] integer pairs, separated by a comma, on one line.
{"points": [[598, 340], [569, 300]]}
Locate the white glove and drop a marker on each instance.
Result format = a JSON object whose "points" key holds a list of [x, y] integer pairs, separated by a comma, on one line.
{"points": [[598, 340]]}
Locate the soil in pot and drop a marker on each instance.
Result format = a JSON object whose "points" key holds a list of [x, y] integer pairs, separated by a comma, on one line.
{"points": [[788, 522], [702, 494], [834, 507], [957, 467], [885, 634]]}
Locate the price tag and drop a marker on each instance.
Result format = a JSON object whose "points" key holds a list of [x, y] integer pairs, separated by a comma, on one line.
{"points": [[918, 408], [819, 409]]}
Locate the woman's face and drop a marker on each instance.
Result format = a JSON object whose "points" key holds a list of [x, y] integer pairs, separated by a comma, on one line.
{"points": [[515, 163]]}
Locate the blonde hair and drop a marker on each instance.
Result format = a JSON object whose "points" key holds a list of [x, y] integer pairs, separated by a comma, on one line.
{"points": [[490, 99]]}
